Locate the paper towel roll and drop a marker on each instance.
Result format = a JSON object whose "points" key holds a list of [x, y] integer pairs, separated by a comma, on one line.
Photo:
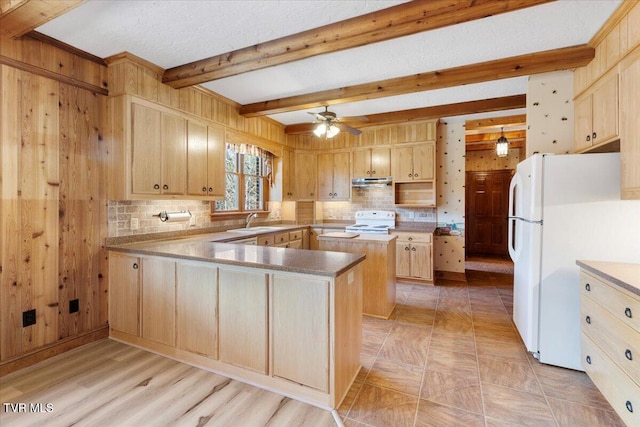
{"points": [[174, 216]]}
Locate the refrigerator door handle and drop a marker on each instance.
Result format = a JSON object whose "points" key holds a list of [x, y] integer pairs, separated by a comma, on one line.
{"points": [[513, 246], [530, 221]]}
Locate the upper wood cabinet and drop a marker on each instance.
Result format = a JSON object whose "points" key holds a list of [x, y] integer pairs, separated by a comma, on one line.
{"points": [[596, 115], [334, 177], [413, 163], [372, 163], [156, 152], [205, 148], [630, 126], [159, 155], [305, 176], [288, 175]]}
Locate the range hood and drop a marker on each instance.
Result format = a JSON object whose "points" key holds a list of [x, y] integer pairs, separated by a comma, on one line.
{"points": [[371, 182]]}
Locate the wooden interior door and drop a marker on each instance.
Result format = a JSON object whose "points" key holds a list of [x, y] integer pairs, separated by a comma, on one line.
{"points": [[487, 200]]}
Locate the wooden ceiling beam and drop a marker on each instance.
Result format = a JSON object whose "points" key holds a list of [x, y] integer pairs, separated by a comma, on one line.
{"points": [[493, 137], [492, 146], [516, 66], [435, 112], [496, 122], [397, 21], [18, 17]]}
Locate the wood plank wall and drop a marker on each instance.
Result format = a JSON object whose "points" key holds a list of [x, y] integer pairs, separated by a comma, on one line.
{"points": [[53, 213]]}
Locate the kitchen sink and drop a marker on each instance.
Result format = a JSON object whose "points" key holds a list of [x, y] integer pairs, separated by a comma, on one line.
{"points": [[257, 229]]}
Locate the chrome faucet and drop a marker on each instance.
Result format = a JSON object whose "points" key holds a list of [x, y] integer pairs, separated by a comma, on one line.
{"points": [[249, 219]]}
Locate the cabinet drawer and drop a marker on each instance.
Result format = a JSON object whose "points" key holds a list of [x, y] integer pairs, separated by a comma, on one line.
{"points": [[620, 303], [622, 393], [295, 235], [295, 244], [620, 342], [266, 240], [405, 236], [282, 237]]}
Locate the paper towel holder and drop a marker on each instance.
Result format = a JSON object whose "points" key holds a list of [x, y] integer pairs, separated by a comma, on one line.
{"points": [[174, 216]]}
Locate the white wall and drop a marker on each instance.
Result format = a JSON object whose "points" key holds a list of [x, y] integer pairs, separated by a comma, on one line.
{"points": [[550, 113]]}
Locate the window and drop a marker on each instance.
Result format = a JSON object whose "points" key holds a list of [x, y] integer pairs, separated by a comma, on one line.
{"points": [[247, 179]]}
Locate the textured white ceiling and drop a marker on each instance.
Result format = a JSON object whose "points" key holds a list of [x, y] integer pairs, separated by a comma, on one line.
{"points": [[174, 32]]}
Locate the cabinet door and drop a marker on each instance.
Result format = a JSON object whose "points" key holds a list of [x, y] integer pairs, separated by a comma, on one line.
{"points": [[300, 330], [325, 176], [341, 176], [423, 161], [605, 111], [630, 129], [305, 167], [314, 243], [402, 164], [196, 159], [380, 162], [196, 308], [243, 319], [421, 260], [158, 300], [403, 259], [124, 293], [288, 175], [215, 161], [174, 154], [147, 151], [582, 124], [362, 164]]}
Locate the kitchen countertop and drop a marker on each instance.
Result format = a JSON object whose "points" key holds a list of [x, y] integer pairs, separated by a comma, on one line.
{"points": [[208, 248], [625, 275]]}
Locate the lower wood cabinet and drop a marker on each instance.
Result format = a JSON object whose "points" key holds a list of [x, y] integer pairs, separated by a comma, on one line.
{"points": [[197, 308], [414, 255], [124, 293], [611, 343], [300, 330], [243, 319], [159, 300]]}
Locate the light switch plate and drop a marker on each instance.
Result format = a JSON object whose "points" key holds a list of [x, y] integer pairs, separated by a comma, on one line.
{"points": [[134, 224]]}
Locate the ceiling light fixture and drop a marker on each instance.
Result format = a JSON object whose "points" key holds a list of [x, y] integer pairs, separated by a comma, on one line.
{"points": [[327, 129], [502, 146]]}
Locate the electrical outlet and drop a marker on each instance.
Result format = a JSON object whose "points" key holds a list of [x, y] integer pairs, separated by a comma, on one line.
{"points": [[192, 221], [422, 215], [74, 305], [28, 318], [134, 224]]}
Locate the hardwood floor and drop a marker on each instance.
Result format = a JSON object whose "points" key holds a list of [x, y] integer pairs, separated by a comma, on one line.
{"points": [[449, 356]]}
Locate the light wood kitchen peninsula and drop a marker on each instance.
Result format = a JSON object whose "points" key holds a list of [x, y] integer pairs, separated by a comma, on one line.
{"points": [[283, 319], [379, 268]]}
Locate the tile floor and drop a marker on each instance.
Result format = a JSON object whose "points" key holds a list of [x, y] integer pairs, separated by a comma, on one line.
{"points": [[450, 356]]}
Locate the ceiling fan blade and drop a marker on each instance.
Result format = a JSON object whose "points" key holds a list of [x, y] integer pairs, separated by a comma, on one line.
{"points": [[354, 119], [318, 116], [347, 128]]}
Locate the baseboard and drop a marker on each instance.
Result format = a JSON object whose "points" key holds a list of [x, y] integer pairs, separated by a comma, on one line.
{"points": [[48, 351], [451, 275]]}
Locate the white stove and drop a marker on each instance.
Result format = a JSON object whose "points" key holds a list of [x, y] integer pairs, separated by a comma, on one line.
{"points": [[373, 222]]}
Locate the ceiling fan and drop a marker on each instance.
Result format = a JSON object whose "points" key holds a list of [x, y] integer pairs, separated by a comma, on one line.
{"points": [[329, 125]]}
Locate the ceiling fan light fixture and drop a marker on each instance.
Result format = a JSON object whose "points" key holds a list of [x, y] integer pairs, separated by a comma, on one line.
{"points": [[502, 145], [332, 131], [320, 130]]}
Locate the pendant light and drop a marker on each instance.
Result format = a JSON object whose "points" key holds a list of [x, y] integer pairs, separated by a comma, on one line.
{"points": [[327, 129], [502, 146]]}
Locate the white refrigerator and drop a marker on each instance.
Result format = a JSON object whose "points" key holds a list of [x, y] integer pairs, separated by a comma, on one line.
{"points": [[563, 208]]}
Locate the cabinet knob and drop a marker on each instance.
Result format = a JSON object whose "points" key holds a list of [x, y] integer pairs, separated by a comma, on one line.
{"points": [[156, 186], [588, 359], [373, 172], [135, 265], [165, 187], [415, 175], [588, 319], [413, 249], [368, 173], [210, 189], [204, 189], [410, 175], [410, 239], [627, 312], [587, 287], [629, 406], [628, 354], [588, 138], [593, 136], [406, 248]]}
